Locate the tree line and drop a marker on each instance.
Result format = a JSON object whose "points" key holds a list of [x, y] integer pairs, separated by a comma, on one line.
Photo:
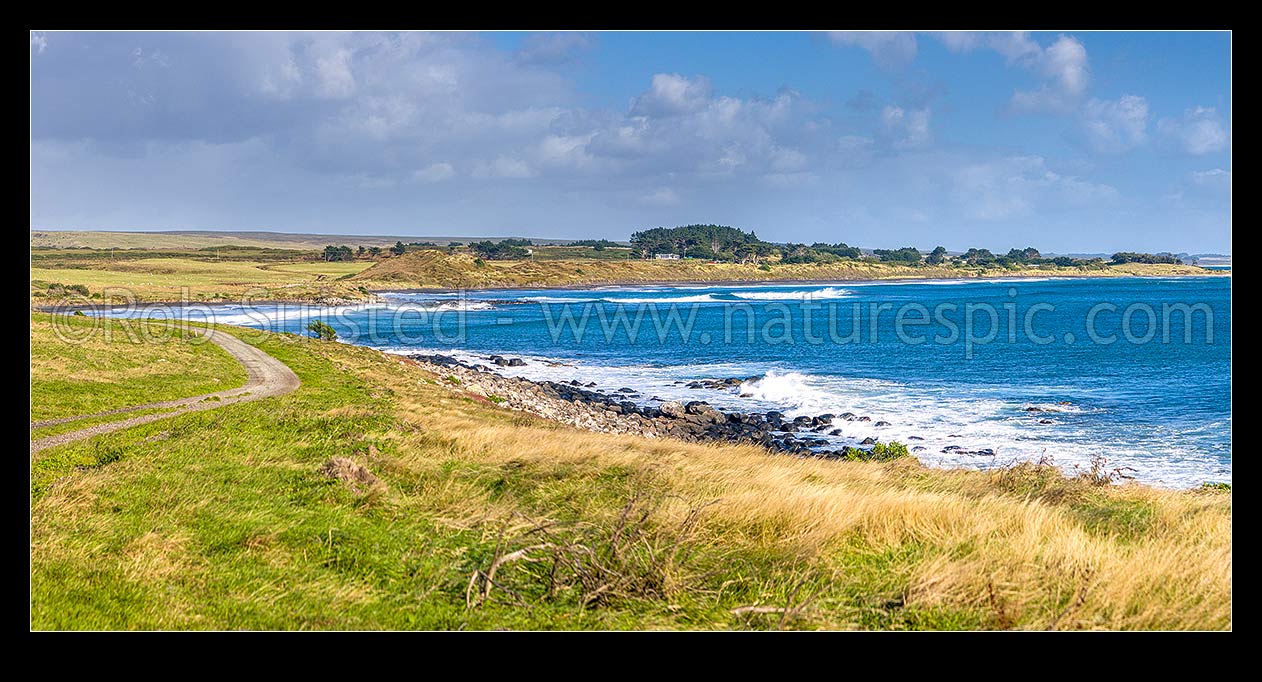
{"points": [[722, 243], [729, 244], [1130, 257]]}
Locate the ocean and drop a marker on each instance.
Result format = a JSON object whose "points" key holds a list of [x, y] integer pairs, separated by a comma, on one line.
{"points": [[1137, 370]]}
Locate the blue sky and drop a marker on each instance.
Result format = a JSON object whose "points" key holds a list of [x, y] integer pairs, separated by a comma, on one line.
{"points": [[1070, 142]]}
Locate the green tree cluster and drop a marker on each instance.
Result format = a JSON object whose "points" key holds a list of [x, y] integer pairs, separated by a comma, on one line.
{"points": [[490, 250], [338, 253], [1130, 257]]}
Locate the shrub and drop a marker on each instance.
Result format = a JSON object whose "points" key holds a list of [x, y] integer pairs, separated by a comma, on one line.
{"points": [[1099, 473], [880, 452], [321, 330], [508, 249], [643, 556]]}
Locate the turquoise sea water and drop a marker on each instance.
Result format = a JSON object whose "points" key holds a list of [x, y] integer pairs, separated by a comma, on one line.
{"points": [[1138, 387]]}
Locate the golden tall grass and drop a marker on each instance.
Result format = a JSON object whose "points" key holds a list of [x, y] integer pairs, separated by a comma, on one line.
{"points": [[1026, 558]]}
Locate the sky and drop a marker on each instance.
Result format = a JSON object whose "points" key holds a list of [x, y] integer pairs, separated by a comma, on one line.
{"points": [[1070, 142]]}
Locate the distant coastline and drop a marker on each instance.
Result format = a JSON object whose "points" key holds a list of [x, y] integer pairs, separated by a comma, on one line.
{"points": [[1216, 272], [435, 272]]}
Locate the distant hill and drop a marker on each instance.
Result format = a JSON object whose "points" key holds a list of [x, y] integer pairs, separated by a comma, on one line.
{"points": [[198, 239]]}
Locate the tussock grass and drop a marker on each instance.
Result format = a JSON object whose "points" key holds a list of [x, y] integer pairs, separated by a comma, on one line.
{"points": [[224, 519]]}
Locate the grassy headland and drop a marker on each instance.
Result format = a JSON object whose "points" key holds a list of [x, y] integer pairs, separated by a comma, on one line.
{"points": [[432, 268], [132, 364], [206, 275], [471, 516], [195, 267]]}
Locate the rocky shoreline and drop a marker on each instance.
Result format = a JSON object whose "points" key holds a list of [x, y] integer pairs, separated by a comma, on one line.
{"points": [[583, 406]]}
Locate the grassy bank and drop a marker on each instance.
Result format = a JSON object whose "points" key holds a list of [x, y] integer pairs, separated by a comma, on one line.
{"points": [[167, 276], [113, 364], [471, 516], [193, 239], [435, 269]]}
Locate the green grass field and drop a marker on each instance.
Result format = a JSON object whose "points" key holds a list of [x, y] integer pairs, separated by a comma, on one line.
{"points": [[119, 364], [485, 518]]}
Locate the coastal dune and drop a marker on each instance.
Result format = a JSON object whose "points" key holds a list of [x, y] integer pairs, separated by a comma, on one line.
{"points": [[432, 268]]}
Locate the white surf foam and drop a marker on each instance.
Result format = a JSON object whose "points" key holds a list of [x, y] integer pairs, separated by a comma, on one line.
{"points": [[805, 294], [701, 298], [929, 418]]}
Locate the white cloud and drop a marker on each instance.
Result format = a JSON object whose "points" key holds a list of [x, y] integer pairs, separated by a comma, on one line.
{"points": [[1065, 62], [1019, 186], [662, 197], [39, 41], [1115, 126], [334, 74], [785, 159], [1211, 176], [1063, 66], [787, 180], [1015, 46], [1198, 131], [889, 49], [141, 59], [672, 94], [281, 78], [1214, 177], [553, 48], [435, 172], [567, 151], [503, 167], [906, 129]]}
